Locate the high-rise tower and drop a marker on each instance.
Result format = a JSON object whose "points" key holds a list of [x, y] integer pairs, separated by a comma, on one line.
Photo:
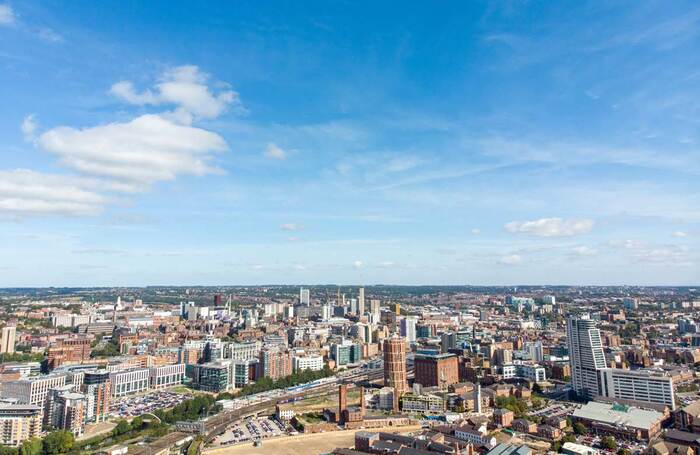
{"points": [[585, 354], [395, 365], [361, 302]]}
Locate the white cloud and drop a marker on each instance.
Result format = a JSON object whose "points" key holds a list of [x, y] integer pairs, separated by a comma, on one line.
{"points": [[292, 227], [274, 152], [357, 264], [29, 127], [583, 250], [404, 163], [25, 192], [665, 255], [136, 153], [50, 35], [7, 16], [511, 259], [629, 244], [184, 87], [476, 231], [551, 227], [680, 234]]}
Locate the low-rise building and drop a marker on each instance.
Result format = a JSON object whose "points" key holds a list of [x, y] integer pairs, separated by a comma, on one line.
{"points": [[126, 382], [167, 375], [620, 421]]}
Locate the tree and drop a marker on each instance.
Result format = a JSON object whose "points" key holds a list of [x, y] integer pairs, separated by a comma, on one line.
{"points": [[608, 442], [580, 428], [121, 428], [568, 438], [31, 447], [624, 452], [60, 441], [137, 423]]}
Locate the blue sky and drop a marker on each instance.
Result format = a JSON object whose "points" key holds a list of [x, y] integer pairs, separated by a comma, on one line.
{"points": [[349, 142]]}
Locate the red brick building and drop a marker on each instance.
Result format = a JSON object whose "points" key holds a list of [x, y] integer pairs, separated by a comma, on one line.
{"points": [[436, 370]]}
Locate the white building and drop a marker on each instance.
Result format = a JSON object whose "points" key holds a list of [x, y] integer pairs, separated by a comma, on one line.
{"points": [[475, 437], [167, 375], [408, 328], [638, 385], [129, 381], [7, 341], [326, 312], [32, 390], [361, 302], [244, 351], [528, 371], [585, 354], [304, 297], [307, 362]]}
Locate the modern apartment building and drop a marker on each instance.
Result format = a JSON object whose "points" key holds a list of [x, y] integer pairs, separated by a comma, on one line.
{"points": [[585, 354], [33, 390], [97, 388], [244, 351], [18, 423], [65, 410]]}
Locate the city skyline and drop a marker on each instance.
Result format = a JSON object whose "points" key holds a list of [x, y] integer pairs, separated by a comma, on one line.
{"points": [[179, 144]]}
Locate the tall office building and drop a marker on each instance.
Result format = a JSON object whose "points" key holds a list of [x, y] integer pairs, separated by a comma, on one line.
{"points": [[585, 355], [374, 307], [361, 302], [408, 328], [304, 296], [7, 341], [326, 312], [395, 365]]}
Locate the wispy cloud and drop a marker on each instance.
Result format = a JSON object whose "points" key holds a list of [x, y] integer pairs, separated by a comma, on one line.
{"points": [[24, 192], [511, 259], [292, 227], [7, 15], [551, 227], [274, 152], [28, 127]]}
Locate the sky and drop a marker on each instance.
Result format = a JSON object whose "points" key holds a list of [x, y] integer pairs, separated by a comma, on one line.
{"points": [[514, 142]]}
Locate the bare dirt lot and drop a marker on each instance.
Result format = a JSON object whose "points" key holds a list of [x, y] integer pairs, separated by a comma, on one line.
{"points": [[304, 444]]}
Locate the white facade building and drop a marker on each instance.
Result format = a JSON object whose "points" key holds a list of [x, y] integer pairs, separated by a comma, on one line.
{"points": [[307, 362], [129, 381], [638, 385], [167, 375], [408, 328], [585, 354]]}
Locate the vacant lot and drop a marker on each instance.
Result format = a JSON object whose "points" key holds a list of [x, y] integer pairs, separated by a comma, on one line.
{"points": [[311, 444]]}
